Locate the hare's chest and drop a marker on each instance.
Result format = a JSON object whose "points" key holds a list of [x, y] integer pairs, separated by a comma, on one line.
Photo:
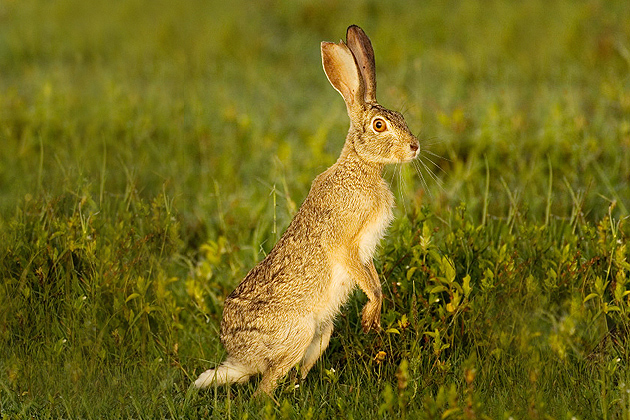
{"points": [[374, 229]]}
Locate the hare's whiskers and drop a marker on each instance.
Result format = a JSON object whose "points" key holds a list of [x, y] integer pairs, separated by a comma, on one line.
{"points": [[436, 155], [430, 141], [391, 180], [401, 187], [432, 175], [422, 179], [433, 163]]}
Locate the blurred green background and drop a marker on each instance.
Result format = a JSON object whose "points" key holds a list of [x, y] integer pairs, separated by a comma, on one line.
{"points": [[206, 98]]}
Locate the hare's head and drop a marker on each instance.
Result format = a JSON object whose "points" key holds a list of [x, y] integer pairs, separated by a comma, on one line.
{"points": [[378, 135]]}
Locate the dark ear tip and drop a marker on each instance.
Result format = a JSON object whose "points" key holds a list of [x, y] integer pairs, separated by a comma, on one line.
{"points": [[353, 28]]}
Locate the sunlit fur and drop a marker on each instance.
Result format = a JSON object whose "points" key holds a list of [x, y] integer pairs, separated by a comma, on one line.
{"points": [[283, 311]]}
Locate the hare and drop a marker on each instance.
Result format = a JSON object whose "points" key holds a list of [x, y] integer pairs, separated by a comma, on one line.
{"points": [[283, 311]]}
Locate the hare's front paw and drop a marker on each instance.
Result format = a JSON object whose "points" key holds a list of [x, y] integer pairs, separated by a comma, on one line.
{"points": [[371, 316]]}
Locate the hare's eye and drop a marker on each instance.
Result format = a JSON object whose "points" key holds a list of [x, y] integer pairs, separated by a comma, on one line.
{"points": [[379, 125]]}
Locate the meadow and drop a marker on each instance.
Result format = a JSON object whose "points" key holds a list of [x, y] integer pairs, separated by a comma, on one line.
{"points": [[152, 152]]}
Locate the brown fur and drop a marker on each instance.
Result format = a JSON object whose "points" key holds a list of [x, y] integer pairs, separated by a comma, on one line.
{"points": [[282, 313]]}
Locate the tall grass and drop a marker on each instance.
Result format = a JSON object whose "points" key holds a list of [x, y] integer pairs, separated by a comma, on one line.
{"points": [[152, 152]]}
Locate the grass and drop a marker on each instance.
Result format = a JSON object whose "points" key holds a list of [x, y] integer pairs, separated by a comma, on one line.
{"points": [[152, 153]]}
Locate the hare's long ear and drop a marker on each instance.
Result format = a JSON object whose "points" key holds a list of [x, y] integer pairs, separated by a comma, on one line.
{"points": [[363, 52], [342, 72]]}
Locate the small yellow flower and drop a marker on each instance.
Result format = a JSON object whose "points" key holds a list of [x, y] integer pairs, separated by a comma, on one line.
{"points": [[380, 356]]}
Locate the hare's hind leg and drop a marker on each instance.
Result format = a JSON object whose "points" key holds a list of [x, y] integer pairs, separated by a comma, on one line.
{"points": [[270, 378], [288, 353], [316, 348]]}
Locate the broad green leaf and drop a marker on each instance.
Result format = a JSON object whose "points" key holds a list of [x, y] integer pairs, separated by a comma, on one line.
{"points": [[589, 297], [438, 289], [132, 297], [466, 285]]}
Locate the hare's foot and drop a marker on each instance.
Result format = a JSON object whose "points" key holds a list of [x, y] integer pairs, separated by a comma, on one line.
{"points": [[316, 348], [270, 379], [284, 357], [371, 316]]}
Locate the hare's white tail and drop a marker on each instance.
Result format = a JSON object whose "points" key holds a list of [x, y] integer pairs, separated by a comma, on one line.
{"points": [[227, 372]]}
